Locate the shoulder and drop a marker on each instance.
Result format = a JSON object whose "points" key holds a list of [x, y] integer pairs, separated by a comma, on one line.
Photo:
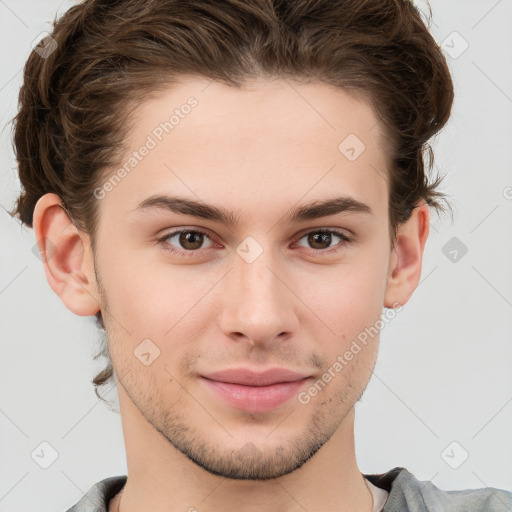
{"points": [[407, 494], [96, 499]]}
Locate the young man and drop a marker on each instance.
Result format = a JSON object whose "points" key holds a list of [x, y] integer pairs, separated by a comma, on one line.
{"points": [[236, 190]]}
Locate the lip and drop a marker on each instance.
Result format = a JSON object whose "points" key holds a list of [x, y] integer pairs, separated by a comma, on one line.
{"points": [[252, 391], [249, 377]]}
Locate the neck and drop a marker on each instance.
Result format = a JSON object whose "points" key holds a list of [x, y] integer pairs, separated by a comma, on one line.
{"points": [[162, 479]]}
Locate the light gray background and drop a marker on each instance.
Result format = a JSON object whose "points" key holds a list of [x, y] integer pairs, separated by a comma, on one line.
{"points": [[444, 368]]}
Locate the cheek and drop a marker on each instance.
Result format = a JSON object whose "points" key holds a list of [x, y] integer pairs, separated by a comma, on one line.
{"points": [[351, 309], [349, 298], [158, 302]]}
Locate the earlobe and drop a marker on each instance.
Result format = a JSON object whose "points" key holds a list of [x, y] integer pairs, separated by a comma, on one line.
{"points": [[407, 256], [66, 255]]}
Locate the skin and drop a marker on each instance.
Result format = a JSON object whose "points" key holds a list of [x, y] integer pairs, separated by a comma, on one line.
{"points": [[259, 151]]}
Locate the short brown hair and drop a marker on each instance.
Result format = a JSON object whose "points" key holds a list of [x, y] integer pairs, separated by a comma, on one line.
{"points": [[74, 104]]}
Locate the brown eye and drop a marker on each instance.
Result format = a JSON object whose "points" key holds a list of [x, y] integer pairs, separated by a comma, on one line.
{"points": [[191, 240], [321, 240], [185, 240]]}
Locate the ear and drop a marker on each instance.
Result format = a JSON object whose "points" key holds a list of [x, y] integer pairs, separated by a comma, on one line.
{"points": [[66, 255], [406, 257]]}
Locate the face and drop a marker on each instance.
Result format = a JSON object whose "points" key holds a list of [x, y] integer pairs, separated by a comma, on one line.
{"points": [[273, 284]]}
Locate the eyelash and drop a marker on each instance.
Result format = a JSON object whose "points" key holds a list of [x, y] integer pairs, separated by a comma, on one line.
{"points": [[345, 240]]}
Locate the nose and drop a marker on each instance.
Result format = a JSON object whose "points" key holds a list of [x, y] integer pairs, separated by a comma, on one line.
{"points": [[258, 305]]}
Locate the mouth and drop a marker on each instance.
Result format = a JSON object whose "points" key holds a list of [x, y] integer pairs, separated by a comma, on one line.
{"points": [[252, 391]]}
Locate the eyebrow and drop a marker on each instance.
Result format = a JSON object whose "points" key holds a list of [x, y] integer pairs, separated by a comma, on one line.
{"points": [[314, 210]]}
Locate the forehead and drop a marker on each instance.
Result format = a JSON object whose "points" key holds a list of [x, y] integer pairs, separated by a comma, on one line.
{"points": [[269, 143]]}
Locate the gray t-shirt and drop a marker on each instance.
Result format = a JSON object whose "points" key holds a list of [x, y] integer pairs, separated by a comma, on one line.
{"points": [[406, 494]]}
